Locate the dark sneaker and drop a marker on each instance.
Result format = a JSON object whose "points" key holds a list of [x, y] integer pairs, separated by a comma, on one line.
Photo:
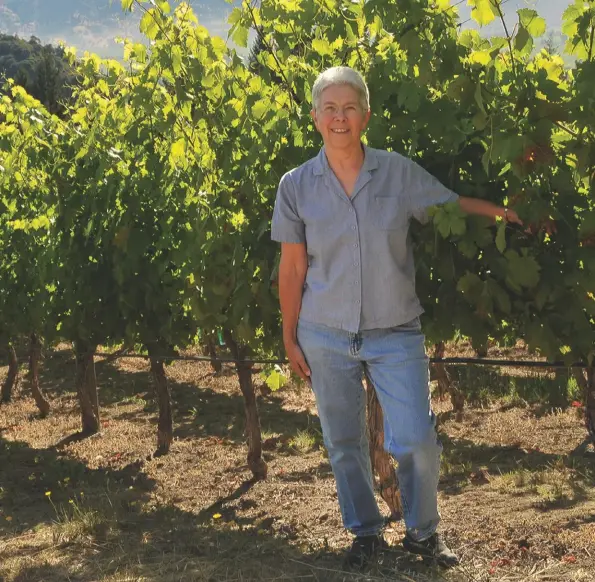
{"points": [[363, 550], [432, 548]]}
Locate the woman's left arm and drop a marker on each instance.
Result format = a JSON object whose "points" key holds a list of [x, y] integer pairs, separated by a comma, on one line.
{"points": [[485, 208]]}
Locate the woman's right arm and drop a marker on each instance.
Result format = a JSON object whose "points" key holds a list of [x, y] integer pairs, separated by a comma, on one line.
{"points": [[292, 274]]}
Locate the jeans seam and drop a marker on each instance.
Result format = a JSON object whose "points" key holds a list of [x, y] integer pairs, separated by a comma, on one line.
{"points": [[370, 531], [423, 535]]}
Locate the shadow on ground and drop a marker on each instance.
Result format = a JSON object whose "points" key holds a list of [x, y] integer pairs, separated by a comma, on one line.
{"points": [[484, 384], [465, 460], [198, 411], [103, 528]]}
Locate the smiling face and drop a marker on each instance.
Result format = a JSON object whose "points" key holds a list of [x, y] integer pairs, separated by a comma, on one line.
{"points": [[340, 118]]}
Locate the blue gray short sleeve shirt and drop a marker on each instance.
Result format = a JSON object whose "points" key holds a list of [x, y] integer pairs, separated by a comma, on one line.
{"points": [[360, 260]]}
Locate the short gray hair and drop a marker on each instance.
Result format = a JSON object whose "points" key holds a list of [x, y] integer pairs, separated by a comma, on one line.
{"points": [[341, 76]]}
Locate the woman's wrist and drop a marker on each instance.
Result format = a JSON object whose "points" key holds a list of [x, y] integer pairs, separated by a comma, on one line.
{"points": [[290, 337]]}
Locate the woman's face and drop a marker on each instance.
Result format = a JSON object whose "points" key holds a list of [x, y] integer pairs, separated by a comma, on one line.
{"points": [[340, 118]]}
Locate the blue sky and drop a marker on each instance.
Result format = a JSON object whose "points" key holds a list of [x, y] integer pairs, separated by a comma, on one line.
{"points": [[93, 24]]}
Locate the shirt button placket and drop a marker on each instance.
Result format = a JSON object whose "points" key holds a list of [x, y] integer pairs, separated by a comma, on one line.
{"points": [[357, 272]]}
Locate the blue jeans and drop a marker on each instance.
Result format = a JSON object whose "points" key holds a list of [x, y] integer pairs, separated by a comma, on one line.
{"points": [[396, 363]]}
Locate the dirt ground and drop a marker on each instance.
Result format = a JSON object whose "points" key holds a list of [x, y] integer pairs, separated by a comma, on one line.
{"points": [[516, 503]]}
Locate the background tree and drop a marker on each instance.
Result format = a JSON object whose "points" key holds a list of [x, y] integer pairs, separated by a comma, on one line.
{"points": [[42, 70]]}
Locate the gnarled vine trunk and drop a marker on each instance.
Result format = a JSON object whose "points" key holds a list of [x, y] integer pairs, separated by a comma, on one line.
{"points": [[212, 351], [12, 378], [255, 461], [86, 387], [165, 424], [382, 463], [590, 403], [446, 384], [34, 356], [581, 381]]}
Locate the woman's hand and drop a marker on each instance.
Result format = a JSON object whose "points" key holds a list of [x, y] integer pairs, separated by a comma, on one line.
{"points": [[546, 225], [511, 216], [297, 360]]}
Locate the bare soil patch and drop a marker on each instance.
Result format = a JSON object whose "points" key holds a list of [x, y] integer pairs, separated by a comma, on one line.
{"points": [[515, 502]]}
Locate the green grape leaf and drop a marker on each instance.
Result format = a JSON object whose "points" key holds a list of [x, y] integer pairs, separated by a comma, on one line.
{"points": [[468, 248], [276, 380], [176, 59], [178, 151], [501, 237], [260, 108], [523, 42], [483, 11], [322, 46], [479, 98], [449, 220], [471, 286], [239, 35], [540, 336], [480, 120], [235, 16], [409, 97], [534, 24], [164, 6], [522, 271], [587, 227], [148, 24], [500, 296]]}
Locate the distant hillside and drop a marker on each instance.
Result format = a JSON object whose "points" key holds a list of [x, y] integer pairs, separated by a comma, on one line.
{"points": [[41, 69]]}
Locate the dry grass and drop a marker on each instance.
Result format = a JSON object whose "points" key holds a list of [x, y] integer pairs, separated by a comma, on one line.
{"points": [[515, 504]]}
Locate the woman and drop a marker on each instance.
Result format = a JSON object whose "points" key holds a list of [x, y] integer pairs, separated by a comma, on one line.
{"points": [[347, 294]]}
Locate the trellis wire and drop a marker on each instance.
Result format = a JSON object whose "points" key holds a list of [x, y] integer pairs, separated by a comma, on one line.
{"points": [[280, 362]]}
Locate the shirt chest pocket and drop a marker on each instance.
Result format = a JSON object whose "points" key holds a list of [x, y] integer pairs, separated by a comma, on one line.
{"points": [[389, 212]]}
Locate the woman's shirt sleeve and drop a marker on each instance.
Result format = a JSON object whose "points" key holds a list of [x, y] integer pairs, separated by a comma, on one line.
{"points": [[425, 190], [287, 226]]}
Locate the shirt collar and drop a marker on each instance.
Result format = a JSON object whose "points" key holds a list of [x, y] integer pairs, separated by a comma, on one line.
{"points": [[321, 166]]}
